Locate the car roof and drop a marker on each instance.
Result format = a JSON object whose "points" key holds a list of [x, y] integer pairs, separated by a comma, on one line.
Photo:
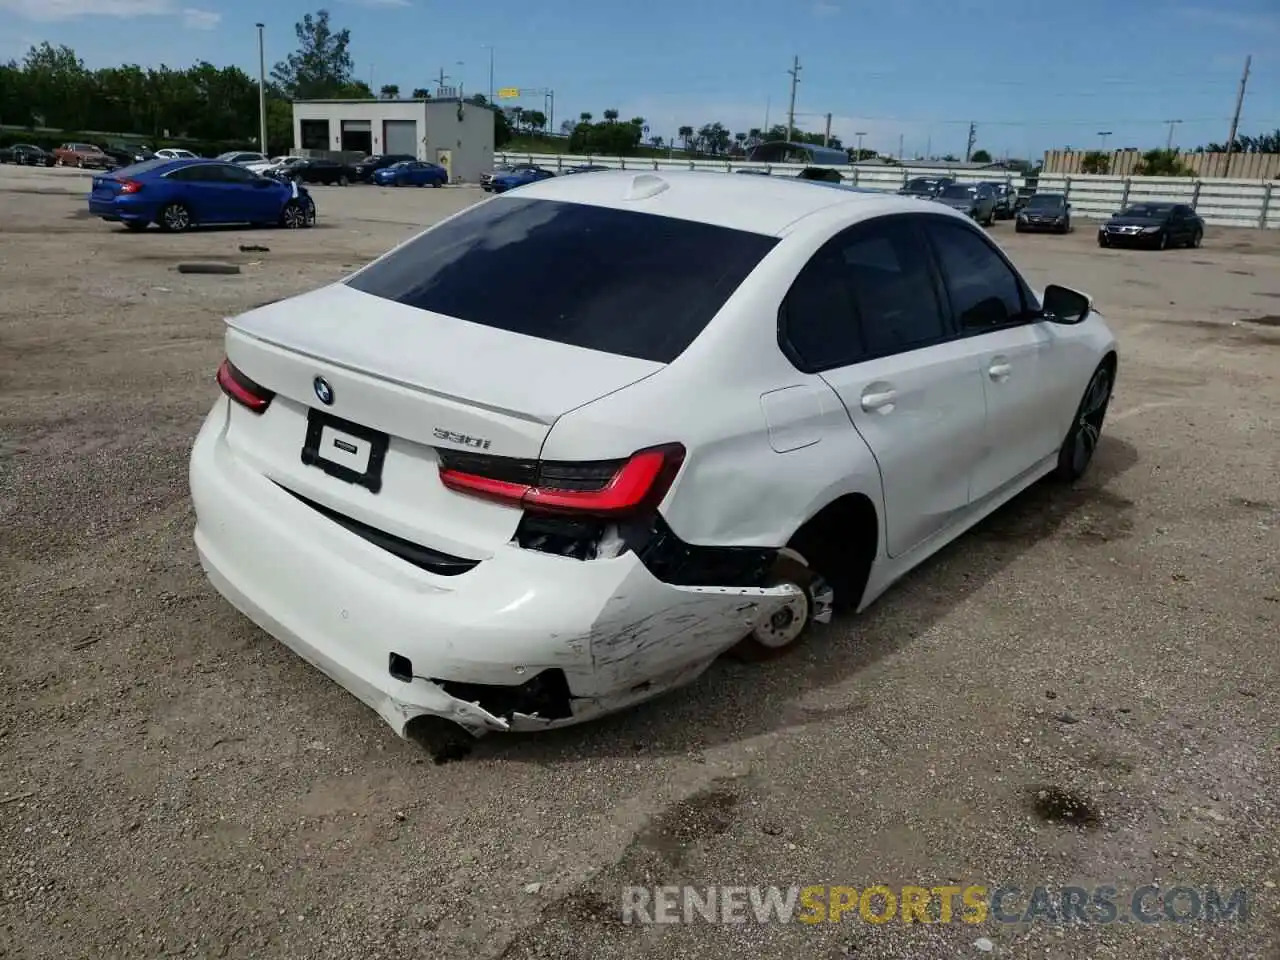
{"points": [[766, 205]]}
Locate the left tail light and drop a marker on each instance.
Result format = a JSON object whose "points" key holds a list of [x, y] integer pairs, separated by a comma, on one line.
{"points": [[130, 186], [252, 396], [600, 488]]}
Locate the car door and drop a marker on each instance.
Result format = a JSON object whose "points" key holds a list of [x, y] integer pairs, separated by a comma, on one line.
{"points": [[1024, 377], [250, 198], [867, 315]]}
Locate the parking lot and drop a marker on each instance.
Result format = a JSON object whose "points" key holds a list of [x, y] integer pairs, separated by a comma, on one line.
{"points": [[174, 781]]}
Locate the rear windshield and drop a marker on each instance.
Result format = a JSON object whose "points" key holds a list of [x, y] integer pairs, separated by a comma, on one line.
{"points": [[617, 281], [958, 191], [137, 169], [1047, 200]]}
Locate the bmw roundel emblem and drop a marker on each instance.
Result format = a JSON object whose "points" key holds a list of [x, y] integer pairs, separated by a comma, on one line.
{"points": [[324, 392]]}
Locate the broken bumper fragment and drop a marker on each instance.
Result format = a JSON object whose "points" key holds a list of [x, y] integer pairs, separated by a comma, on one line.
{"points": [[524, 640]]}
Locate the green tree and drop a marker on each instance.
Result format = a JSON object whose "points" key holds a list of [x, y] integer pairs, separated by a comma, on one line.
{"points": [[1162, 163], [390, 91], [584, 117], [686, 137], [611, 116], [980, 156], [321, 65], [535, 120], [1095, 161]]}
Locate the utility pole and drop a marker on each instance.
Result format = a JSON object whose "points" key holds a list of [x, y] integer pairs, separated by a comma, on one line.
{"points": [[1168, 145], [440, 83], [859, 134], [826, 136], [489, 47], [1235, 118], [899, 148], [973, 137], [791, 110], [262, 93]]}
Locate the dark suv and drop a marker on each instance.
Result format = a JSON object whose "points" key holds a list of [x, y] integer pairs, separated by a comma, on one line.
{"points": [[366, 168], [927, 187]]}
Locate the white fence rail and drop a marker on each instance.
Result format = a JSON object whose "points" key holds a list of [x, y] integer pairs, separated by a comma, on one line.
{"points": [[1227, 203]]}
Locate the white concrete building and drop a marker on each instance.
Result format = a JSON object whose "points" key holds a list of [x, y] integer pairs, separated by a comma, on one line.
{"points": [[453, 133]]}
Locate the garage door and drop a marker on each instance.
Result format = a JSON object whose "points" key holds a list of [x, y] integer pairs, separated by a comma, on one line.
{"points": [[400, 136]]}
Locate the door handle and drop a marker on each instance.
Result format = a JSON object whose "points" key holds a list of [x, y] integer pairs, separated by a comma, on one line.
{"points": [[999, 370], [881, 401]]}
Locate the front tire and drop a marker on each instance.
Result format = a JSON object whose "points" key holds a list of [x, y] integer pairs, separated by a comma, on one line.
{"points": [[787, 628], [1196, 239], [1103, 241], [1086, 429], [294, 216], [174, 218]]}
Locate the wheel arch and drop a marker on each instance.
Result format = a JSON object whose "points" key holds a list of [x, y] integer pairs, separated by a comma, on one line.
{"points": [[841, 541]]}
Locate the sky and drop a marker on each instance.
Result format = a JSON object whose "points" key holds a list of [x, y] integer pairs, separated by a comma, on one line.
{"points": [[1032, 74]]}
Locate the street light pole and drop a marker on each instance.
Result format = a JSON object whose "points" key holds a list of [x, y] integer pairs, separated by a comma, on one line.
{"points": [[1169, 143], [860, 134], [1104, 134], [262, 94]]}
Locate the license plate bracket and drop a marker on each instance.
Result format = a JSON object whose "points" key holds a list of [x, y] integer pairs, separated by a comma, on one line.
{"points": [[346, 451]]}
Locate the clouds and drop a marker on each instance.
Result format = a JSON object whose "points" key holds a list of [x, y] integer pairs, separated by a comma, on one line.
{"points": [[194, 19], [55, 11]]}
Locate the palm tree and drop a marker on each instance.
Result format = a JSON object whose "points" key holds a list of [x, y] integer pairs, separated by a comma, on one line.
{"points": [[421, 93], [686, 134], [390, 91], [584, 117], [656, 142], [517, 115], [611, 116]]}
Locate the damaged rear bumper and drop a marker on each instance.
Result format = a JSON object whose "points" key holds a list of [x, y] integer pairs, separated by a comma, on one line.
{"points": [[523, 641]]}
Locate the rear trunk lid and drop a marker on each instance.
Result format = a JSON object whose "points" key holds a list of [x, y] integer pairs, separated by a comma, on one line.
{"points": [[420, 380], [106, 188]]}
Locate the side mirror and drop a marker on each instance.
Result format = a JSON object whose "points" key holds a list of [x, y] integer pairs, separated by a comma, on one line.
{"points": [[1064, 305]]}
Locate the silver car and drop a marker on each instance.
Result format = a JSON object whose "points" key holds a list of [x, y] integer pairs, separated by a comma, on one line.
{"points": [[978, 200]]}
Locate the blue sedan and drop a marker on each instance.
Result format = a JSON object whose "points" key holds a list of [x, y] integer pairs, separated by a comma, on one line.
{"points": [[179, 194], [412, 173], [518, 177]]}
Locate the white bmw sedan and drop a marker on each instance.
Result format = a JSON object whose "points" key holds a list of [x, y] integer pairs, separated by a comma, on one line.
{"points": [[555, 454]]}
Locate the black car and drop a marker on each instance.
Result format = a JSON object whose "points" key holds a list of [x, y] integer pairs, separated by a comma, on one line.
{"points": [[1045, 211], [26, 154], [927, 187], [122, 154], [366, 168], [322, 171], [1148, 224], [586, 168], [1006, 199]]}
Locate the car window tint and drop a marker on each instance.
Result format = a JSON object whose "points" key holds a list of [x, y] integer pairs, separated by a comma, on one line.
{"points": [[866, 293], [892, 289], [572, 273], [984, 291], [821, 326], [231, 174]]}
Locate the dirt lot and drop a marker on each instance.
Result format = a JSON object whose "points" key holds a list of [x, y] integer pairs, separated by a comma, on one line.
{"points": [[174, 781]]}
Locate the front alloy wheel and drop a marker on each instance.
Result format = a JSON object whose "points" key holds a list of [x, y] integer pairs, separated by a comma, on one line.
{"points": [[1086, 431]]}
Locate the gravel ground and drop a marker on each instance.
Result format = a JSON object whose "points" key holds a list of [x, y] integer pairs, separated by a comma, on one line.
{"points": [[174, 781]]}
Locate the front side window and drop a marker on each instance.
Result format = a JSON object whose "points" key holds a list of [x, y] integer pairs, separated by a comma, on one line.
{"points": [[617, 281], [984, 291]]}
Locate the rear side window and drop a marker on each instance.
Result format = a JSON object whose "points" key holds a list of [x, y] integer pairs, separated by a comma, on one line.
{"points": [[867, 293], [617, 281]]}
